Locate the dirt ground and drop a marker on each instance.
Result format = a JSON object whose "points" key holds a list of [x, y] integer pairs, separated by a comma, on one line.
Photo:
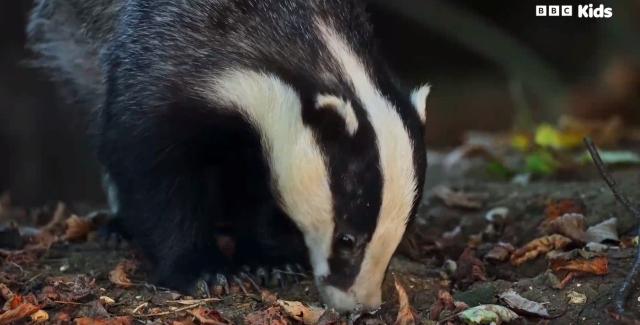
{"points": [[71, 280]]}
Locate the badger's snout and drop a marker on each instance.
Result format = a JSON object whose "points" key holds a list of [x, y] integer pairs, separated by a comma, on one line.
{"points": [[350, 300]]}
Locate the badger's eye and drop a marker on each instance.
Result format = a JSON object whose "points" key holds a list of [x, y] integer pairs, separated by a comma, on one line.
{"points": [[346, 241]]}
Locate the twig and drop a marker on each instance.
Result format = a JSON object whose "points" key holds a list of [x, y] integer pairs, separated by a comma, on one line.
{"points": [[632, 277], [177, 310]]}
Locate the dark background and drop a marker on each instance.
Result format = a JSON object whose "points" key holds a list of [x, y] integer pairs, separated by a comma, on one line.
{"points": [[44, 154]]}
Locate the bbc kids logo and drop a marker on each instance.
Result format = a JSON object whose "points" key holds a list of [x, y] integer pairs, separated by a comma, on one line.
{"points": [[582, 11]]}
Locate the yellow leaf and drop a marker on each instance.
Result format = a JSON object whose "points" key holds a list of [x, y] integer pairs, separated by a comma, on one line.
{"points": [[550, 137], [521, 141]]}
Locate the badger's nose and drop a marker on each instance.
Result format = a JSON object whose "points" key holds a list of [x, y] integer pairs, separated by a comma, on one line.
{"points": [[350, 300]]}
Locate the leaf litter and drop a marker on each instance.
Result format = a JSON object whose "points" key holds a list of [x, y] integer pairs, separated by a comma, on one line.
{"points": [[483, 267]]}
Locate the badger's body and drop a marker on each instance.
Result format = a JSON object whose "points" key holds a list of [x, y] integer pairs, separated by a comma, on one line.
{"points": [[245, 132]]}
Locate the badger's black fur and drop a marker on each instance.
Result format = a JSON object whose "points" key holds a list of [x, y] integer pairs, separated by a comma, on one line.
{"points": [[186, 175]]}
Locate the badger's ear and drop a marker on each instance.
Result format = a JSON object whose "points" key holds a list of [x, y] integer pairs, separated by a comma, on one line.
{"points": [[340, 106], [419, 100]]}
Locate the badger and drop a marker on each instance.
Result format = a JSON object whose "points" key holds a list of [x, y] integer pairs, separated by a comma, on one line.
{"points": [[245, 133]]}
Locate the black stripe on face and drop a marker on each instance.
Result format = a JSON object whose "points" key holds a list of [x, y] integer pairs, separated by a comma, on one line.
{"points": [[356, 185], [401, 100]]}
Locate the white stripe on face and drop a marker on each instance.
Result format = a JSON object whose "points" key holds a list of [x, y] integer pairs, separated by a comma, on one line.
{"points": [[396, 158], [297, 164]]}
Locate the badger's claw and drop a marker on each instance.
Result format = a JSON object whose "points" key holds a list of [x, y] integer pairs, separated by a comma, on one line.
{"points": [[221, 285], [239, 284], [262, 276], [201, 288], [248, 278], [277, 279]]}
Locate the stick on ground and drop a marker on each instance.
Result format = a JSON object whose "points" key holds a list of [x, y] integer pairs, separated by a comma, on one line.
{"points": [[631, 279]]}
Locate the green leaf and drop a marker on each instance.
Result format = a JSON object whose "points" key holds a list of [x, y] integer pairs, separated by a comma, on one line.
{"points": [[613, 157], [541, 163]]}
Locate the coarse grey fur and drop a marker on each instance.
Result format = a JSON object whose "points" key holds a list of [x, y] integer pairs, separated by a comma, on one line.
{"points": [[69, 37]]}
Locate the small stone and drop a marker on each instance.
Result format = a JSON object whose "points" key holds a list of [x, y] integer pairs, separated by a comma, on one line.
{"points": [[576, 298]]}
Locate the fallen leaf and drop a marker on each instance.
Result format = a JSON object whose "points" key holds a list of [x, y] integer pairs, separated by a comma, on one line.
{"points": [[558, 208], [105, 300], [572, 254], [77, 228], [40, 316], [571, 225], [188, 321], [5, 292], [119, 276], [522, 305], [331, 317], [271, 316], [445, 306], [604, 132], [538, 246], [597, 266], [17, 313], [120, 320], [498, 214], [458, 199], [301, 312], [604, 231], [406, 314], [576, 298], [500, 252], [613, 157], [487, 314], [551, 137], [629, 242], [596, 247], [208, 316], [56, 224], [470, 268], [521, 141], [268, 297]]}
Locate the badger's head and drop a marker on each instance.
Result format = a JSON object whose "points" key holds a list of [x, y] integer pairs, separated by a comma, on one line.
{"points": [[347, 160]]}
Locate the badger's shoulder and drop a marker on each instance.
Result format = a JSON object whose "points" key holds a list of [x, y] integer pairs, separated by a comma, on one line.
{"points": [[67, 37]]}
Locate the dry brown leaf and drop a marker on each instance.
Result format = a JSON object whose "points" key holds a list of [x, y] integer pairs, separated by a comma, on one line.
{"points": [[458, 199], [187, 321], [40, 316], [271, 316], [120, 320], [500, 252], [77, 228], [208, 316], [522, 305], [56, 224], [120, 275], [5, 292], [445, 304], [406, 314], [470, 268], [301, 312], [597, 266], [558, 208], [537, 247], [268, 297], [17, 313], [571, 225]]}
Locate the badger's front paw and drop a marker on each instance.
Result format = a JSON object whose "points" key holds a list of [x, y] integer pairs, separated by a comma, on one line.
{"points": [[280, 276], [248, 280]]}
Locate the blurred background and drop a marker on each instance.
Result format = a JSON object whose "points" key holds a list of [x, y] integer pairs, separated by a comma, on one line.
{"points": [[494, 66]]}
